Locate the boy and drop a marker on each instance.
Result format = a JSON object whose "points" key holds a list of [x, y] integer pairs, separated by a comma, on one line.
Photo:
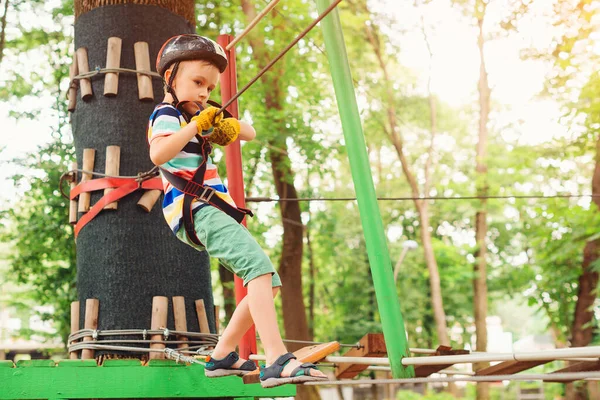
{"points": [[180, 133]]}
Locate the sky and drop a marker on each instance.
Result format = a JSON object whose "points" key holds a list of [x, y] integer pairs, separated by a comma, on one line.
{"points": [[515, 82]]}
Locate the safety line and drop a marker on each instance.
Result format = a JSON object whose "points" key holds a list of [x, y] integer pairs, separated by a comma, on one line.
{"points": [[252, 24], [279, 56], [563, 376], [556, 196]]}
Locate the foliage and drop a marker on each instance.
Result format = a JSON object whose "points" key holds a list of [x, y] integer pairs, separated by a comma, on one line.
{"points": [[42, 252]]}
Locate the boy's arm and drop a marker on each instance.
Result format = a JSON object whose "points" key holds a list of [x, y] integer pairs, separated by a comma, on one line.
{"points": [[247, 132], [164, 148], [171, 140]]}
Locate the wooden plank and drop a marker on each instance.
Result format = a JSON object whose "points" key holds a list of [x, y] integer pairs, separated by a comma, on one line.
{"points": [[74, 355], [142, 63], [202, 319], [422, 371], [73, 85], [160, 309], [509, 367], [85, 85], [112, 166], [87, 165], [180, 319], [90, 322], [73, 203], [583, 366], [371, 345], [113, 60], [310, 354]]}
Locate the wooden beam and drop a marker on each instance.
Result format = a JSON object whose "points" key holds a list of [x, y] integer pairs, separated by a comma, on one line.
{"points": [[310, 354], [509, 367], [583, 366], [370, 345], [422, 371]]}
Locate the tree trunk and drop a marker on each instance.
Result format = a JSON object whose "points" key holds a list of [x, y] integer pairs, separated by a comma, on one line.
{"points": [[127, 256], [421, 206], [434, 276], [290, 264], [311, 288], [480, 268], [583, 327], [226, 278]]}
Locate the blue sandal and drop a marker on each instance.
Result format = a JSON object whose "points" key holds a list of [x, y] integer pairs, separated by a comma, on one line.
{"points": [[271, 376], [216, 368]]}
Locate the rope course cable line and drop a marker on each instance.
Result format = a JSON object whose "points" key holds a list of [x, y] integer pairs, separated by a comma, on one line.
{"points": [[498, 197], [564, 376], [252, 24], [70, 175], [99, 70], [280, 55]]}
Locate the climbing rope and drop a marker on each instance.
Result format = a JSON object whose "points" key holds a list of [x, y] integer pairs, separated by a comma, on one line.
{"points": [[280, 55]]}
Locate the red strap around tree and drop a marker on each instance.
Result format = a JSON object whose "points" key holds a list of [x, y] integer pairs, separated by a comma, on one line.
{"points": [[123, 187]]}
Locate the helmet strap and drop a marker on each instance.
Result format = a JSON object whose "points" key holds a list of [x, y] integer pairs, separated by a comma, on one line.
{"points": [[170, 83]]}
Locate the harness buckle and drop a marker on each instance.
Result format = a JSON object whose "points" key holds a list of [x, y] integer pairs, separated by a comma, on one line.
{"points": [[206, 194]]}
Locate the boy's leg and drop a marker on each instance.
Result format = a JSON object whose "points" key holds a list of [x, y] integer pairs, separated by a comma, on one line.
{"points": [[239, 252], [240, 322], [232, 243], [262, 309]]}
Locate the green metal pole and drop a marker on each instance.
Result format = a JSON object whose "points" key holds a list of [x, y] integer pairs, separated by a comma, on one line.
{"points": [[379, 257]]}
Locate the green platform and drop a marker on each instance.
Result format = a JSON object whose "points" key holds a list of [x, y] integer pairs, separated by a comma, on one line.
{"points": [[83, 379]]}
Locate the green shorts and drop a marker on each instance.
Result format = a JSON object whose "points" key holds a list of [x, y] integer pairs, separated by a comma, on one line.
{"points": [[230, 242]]}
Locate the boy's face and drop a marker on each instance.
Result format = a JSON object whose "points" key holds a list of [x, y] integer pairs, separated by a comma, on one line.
{"points": [[195, 80]]}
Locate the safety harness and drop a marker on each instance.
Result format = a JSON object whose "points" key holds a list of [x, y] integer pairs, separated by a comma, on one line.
{"points": [[195, 189]]}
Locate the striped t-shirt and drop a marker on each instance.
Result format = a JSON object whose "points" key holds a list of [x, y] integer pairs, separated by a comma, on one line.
{"points": [[164, 121]]}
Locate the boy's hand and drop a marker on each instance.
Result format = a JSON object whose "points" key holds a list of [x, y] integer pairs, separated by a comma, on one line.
{"points": [[207, 119], [225, 132]]}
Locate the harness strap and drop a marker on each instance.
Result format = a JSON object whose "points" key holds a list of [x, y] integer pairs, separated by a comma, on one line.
{"points": [[105, 183], [194, 189], [124, 186]]}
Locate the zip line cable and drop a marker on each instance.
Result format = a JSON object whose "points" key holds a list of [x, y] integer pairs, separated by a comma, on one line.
{"points": [[556, 196], [279, 56]]}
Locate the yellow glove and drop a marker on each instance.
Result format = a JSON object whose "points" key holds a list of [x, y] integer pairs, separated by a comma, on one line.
{"points": [[225, 132], [207, 119]]}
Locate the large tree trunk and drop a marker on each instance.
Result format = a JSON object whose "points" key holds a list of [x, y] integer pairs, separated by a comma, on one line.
{"points": [[127, 256], [480, 268], [290, 264], [583, 329]]}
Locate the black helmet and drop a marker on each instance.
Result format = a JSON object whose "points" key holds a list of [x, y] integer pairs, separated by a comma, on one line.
{"points": [[190, 47]]}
